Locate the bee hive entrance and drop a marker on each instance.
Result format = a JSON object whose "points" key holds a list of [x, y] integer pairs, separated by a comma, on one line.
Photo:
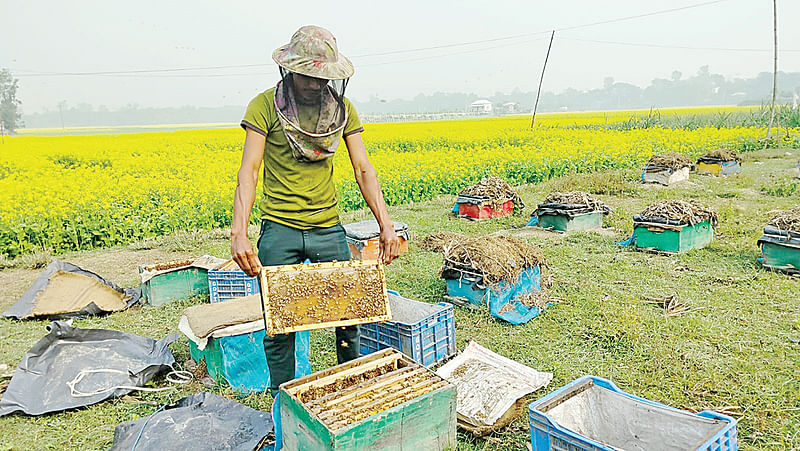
{"points": [[353, 394], [312, 296]]}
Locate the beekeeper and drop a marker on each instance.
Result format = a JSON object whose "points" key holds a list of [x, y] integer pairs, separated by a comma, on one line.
{"points": [[295, 128]]}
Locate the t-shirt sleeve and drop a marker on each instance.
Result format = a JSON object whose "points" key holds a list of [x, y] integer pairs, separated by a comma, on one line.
{"points": [[255, 117], [353, 124]]}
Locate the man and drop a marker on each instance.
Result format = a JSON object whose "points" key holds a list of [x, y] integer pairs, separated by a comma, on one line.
{"points": [[295, 128]]}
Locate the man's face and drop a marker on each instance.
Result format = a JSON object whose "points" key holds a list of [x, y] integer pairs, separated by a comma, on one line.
{"points": [[308, 90]]}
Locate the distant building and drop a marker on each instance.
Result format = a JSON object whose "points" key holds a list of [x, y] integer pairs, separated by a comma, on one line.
{"points": [[510, 108], [482, 106]]}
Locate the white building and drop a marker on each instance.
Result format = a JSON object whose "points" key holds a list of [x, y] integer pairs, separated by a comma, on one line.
{"points": [[511, 108], [482, 106]]}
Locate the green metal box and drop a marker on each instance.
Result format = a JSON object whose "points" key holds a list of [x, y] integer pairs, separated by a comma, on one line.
{"points": [[780, 250], [781, 256], [576, 223], [175, 285], [342, 408], [671, 238]]}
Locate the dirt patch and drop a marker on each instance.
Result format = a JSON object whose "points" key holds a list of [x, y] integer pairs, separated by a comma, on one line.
{"points": [[670, 160], [788, 220], [535, 299], [723, 155], [436, 241], [498, 258], [120, 266], [495, 189], [681, 211]]}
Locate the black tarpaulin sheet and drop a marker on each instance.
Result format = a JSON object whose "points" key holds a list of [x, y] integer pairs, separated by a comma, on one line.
{"points": [[39, 384], [569, 210], [25, 306], [202, 421]]}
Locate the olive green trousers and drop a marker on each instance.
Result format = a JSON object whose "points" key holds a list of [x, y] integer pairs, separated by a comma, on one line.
{"points": [[282, 245]]}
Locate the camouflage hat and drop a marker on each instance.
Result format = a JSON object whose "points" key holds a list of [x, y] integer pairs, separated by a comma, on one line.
{"points": [[313, 52]]}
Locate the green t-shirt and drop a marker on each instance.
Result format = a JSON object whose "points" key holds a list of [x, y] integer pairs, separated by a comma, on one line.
{"points": [[296, 194]]}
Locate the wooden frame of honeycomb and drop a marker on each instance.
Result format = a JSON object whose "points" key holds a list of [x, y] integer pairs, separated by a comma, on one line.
{"points": [[348, 393], [320, 295]]}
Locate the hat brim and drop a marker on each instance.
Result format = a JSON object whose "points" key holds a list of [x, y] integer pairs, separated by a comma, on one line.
{"points": [[338, 70]]}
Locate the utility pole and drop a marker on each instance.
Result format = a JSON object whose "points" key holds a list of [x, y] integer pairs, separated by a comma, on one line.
{"points": [[774, 71], [539, 91], [2, 133]]}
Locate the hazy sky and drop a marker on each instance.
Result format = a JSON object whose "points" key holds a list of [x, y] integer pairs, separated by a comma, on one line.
{"points": [[112, 36]]}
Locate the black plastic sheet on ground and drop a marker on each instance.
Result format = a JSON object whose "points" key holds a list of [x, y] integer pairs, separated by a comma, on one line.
{"points": [[24, 307], [105, 358], [200, 421]]}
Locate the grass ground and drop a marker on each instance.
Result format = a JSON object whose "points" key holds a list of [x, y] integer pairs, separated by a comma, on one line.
{"points": [[737, 350]]}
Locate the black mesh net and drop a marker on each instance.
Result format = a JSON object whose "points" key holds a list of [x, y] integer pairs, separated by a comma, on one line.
{"points": [[336, 87]]}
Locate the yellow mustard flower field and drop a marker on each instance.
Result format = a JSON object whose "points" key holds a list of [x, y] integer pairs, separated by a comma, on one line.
{"points": [[79, 192]]}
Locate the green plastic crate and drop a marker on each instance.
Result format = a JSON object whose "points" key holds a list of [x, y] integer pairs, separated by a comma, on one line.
{"points": [[672, 239], [175, 285], [566, 223]]}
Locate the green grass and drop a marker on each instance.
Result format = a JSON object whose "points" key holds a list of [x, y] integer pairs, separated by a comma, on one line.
{"points": [[737, 349]]}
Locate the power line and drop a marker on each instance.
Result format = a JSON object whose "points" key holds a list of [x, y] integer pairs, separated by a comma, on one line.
{"points": [[458, 44], [386, 53], [679, 47], [639, 16]]}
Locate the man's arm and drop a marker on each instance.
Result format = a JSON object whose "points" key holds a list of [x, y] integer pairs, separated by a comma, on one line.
{"points": [[367, 180], [241, 248]]}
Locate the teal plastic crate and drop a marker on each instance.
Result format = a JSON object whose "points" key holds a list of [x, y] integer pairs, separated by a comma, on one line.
{"points": [[672, 238], [175, 285], [466, 286], [780, 250], [425, 332], [593, 414], [240, 359]]}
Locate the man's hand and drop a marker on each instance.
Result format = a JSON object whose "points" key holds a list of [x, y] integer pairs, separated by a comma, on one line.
{"points": [[244, 255], [390, 245], [367, 181], [247, 178]]}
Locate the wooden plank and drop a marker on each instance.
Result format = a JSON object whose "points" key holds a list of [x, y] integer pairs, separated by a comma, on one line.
{"points": [[329, 324], [387, 395], [368, 409], [428, 422], [342, 366], [424, 421], [350, 392], [300, 429], [328, 379], [321, 265], [316, 308]]}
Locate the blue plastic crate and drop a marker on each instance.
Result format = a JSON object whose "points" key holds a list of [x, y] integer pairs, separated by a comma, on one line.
{"points": [[224, 285], [425, 332], [620, 420], [466, 286], [240, 359]]}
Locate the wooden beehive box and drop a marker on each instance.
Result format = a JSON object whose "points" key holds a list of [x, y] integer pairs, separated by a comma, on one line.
{"points": [[383, 400], [319, 295]]}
